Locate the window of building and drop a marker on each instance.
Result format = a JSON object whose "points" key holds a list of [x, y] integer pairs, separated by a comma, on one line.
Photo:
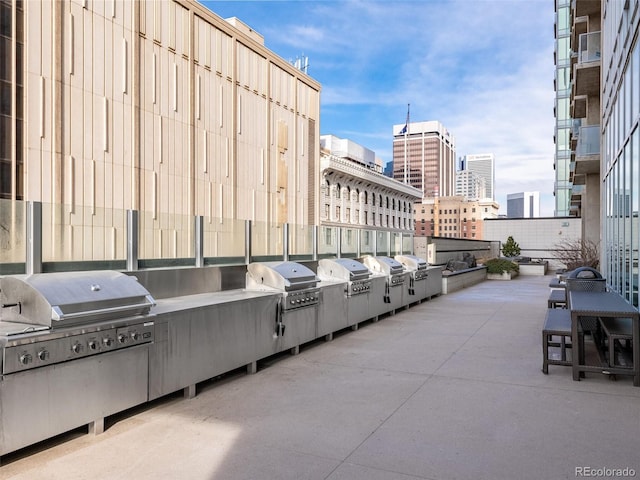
{"points": [[338, 188], [473, 210]]}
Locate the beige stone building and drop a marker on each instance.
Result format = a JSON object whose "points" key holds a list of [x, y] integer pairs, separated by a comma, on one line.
{"points": [[453, 217], [156, 106]]}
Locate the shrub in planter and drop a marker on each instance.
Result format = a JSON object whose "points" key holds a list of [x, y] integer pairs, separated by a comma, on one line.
{"points": [[511, 248], [501, 265]]}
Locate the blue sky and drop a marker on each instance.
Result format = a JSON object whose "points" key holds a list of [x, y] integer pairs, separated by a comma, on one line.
{"points": [[483, 68]]}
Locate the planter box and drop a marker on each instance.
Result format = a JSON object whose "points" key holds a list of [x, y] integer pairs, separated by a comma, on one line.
{"points": [[533, 268], [502, 276], [454, 281]]}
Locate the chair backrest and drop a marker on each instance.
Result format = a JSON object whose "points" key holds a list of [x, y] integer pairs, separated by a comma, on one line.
{"points": [[586, 284]]}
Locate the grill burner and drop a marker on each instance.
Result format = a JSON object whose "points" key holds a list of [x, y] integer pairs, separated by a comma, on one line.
{"points": [[353, 272]]}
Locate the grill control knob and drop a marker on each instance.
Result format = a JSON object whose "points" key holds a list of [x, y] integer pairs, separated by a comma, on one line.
{"points": [[77, 348], [93, 345], [122, 338], [135, 336], [25, 358], [107, 341], [43, 355]]}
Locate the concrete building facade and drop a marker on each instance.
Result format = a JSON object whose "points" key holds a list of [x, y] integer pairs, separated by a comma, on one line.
{"points": [[453, 217], [523, 205], [156, 106], [483, 165], [355, 193], [470, 185], [424, 155]]}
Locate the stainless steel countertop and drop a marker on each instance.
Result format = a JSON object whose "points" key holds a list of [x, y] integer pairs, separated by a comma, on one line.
{"points": [[188, 302]]}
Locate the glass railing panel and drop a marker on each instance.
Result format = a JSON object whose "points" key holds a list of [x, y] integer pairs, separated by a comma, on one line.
{"points": [[382, 242], [407, 243], [589, 140], [167, 236], [396, 243], [266, 241], [589, 47], [12, 236], [367, 238], [327, 242], [223, 239], [300, 242], [83, 234], [349, 243]]}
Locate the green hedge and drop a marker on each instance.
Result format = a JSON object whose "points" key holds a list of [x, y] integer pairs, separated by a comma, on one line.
{"points": [[500, 265]]}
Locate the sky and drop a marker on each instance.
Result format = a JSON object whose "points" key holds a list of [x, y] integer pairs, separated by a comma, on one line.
{"points": [[482, 68]]}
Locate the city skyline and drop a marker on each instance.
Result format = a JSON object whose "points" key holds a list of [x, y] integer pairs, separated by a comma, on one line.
{"points": [[486, 73]]}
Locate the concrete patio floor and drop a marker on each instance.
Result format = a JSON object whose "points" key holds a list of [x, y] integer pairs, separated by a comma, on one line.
{"points": [[448, 389]]}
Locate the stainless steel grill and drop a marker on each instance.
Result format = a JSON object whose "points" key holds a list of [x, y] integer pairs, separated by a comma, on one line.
{"points": [[54, 330], [55, 317], [387, 266], [297, 283], [417, 269], [353, 272], [297, 312]]}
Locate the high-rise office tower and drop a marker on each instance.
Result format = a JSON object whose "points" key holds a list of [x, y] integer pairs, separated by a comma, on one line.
{"points": [[562, 84], [470, 185], [523, 205], [482, 164], [424, 156]]}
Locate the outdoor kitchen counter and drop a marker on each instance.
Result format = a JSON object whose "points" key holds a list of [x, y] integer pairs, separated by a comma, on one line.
{"points": [[186, 302], [203, 335]]}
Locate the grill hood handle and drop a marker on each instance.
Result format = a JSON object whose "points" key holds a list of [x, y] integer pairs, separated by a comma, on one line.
{"points": [[9, 305]]}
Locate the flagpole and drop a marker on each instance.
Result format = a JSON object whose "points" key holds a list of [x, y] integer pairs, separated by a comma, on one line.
{"points": [[406, 132]]}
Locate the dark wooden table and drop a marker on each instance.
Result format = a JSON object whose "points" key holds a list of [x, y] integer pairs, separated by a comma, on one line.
{"points": [[603, 305]]}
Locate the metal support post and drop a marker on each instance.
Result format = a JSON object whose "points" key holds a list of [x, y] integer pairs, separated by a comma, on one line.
{"points": [[199, 240], [339, 241], [285, 242], [358, 237], [247, 242], [314, 240], [132, 240], [34, 238]]}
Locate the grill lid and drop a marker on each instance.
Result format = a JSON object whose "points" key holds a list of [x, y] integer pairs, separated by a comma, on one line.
{"points": [[411, 262], [386, 265], [286, 276], [343, 269], [71, 298]]}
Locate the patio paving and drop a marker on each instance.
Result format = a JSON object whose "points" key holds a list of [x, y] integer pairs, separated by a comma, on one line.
{"points": [[448, 389]]}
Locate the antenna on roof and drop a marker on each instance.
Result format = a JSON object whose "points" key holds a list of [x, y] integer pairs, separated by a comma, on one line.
{"points": [[301, 63]]}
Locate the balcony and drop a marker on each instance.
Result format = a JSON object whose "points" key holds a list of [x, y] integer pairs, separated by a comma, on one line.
{"points": [[588, 150], [585, 8], [586, 71]]}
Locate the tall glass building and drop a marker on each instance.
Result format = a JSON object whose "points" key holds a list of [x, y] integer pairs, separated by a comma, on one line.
{"points": [[620, 164], [562, 83]]}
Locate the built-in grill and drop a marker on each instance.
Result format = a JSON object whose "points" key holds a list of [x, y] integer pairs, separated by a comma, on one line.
{"points": [[297, 283], [297, 312], [347, 304], [351, 271], [417, 269], [387, 266], [56, 317], [393, 273], [72, 343]]}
